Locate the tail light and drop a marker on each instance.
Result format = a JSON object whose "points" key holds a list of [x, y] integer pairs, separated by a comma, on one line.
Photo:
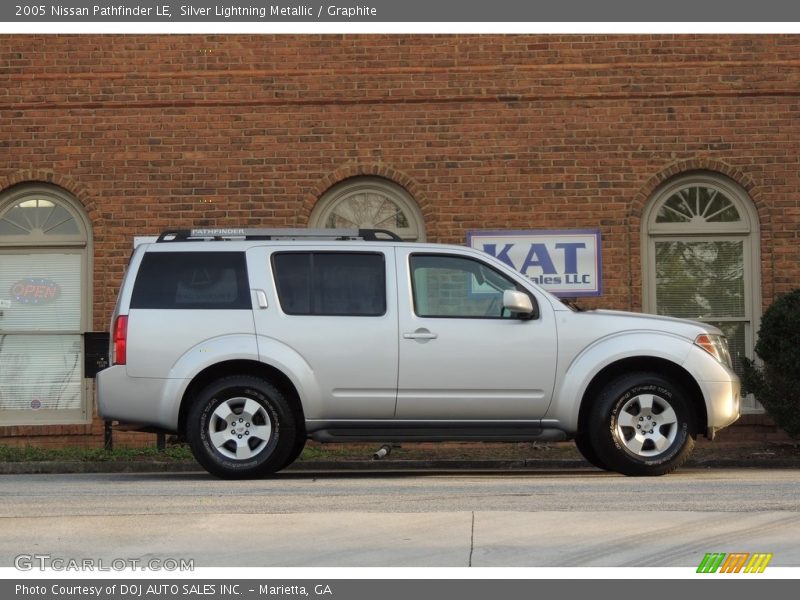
{"points": [[120, 338]]}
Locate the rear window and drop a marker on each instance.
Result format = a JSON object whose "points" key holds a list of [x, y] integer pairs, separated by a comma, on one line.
{"points": [[192, 280], [331, 283]]}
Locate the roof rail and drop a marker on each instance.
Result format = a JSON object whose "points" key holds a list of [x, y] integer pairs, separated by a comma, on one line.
{"points": [[236, 233]]}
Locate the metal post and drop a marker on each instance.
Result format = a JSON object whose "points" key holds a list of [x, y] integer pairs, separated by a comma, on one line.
{"points": [[161, 442], [108, 437]]}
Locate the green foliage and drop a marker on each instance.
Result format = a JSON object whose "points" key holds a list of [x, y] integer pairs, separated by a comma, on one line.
{"points": [[777, 384], [33, 454]]}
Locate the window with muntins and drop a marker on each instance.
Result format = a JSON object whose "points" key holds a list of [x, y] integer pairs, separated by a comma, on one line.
{"points": [[45, 306], [700, 250], [369, 203]]}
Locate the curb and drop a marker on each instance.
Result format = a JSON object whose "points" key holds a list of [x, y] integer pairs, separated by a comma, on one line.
{"points": [[372, 466]]}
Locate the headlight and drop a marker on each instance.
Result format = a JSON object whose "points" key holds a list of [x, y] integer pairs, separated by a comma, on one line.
{"points": [[716, 346]]}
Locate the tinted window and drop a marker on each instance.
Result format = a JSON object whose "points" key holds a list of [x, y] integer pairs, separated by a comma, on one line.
{"points": [[199, 280], [331, 283]]}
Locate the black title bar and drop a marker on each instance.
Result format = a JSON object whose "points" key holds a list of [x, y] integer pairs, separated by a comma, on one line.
{"points": [[415, 11]]}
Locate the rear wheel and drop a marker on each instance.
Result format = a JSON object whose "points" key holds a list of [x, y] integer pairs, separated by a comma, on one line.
{"points": [[240, 427], [297, 450], [642, 424]]}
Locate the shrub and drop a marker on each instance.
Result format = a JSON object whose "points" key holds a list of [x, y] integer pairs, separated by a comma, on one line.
{"points": [[776, 385]]}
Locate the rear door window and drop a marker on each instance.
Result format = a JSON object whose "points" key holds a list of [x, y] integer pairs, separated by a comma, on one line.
{"points": [[331, 283]]}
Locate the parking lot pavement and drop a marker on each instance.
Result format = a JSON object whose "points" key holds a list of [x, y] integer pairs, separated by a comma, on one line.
{"points": [[552, 518], [631, 538], [441, 539]]}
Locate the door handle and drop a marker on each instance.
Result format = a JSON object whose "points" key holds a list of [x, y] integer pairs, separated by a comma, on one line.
{"points": [[421, 334], [261, 297]]}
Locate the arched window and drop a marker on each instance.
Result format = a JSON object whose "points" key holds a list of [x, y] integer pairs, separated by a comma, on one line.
{"points": [[701, 258], [369, 203], [45, 306]]}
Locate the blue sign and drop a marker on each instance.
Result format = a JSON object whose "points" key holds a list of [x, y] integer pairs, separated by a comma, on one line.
{"points": [[566, 263]]}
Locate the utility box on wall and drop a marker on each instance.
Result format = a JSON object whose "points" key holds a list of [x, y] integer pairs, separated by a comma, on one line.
{"points": [[95, 355]]}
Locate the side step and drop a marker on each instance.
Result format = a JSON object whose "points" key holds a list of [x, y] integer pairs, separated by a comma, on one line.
{"points": [[438, 434]]}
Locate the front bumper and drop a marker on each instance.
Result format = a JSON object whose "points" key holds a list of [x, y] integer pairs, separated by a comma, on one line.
{"points": [[723, 404], [721, 388]]}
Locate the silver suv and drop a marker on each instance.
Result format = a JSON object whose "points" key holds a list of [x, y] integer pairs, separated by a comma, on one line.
{"points": [[249, 342]]}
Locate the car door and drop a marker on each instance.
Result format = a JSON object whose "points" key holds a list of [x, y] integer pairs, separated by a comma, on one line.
{"points": [[329, 316], [462, 356]]}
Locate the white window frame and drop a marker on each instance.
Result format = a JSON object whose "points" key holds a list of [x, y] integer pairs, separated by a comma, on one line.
{"points": [[354, 186], [745, 230], [36, 243]]}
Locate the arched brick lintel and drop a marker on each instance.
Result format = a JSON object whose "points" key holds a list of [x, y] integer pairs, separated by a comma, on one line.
{"points": [[350, 170], [685, 167], [77, 190]]}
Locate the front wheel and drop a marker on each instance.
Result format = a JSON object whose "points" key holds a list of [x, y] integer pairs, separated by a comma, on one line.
{"points": [[584, 446], [643, 424], [240, 427]]}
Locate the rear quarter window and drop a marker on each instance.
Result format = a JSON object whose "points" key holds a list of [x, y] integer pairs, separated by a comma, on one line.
{"points": [[192, 280]]}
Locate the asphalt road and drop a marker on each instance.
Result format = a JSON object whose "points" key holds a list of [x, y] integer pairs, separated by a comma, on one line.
{"points": [[528, 518]]}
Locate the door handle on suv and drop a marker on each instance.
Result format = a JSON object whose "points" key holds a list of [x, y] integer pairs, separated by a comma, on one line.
{"points": [[261, 297], [421, 334]]}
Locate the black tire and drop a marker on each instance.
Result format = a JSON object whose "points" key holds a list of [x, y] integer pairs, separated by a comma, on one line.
{"points": [[584, 446], [262, 428], [633, 439], [297, 450]]}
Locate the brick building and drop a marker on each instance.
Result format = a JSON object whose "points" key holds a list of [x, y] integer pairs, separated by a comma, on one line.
{"points": [[683, 150]]}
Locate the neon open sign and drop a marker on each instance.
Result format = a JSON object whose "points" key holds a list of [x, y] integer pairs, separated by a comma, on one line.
{"points": [[35, 290]]}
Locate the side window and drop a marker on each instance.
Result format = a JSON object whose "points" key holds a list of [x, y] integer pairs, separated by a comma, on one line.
{"points": [[331, 283], [457, 287], [192, 280]]}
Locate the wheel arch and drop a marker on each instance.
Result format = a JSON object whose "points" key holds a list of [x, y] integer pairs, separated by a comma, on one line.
{"points": [[241, 367], [652, 364]]}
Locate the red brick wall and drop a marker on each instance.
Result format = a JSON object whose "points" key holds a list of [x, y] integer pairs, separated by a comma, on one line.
{"points": [[541, 131]]}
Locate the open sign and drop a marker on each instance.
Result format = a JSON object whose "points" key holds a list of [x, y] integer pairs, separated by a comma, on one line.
{"points": [[34, 290]]}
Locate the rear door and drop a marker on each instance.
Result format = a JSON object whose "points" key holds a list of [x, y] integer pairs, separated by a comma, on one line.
{"points": [[337, 310], [462, 356]]}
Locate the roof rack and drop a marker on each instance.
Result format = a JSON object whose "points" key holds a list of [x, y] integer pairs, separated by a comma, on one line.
{"points": [[236, 233]]}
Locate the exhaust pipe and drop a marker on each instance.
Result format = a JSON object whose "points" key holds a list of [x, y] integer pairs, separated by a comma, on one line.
{"points": [[382, 452]]}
